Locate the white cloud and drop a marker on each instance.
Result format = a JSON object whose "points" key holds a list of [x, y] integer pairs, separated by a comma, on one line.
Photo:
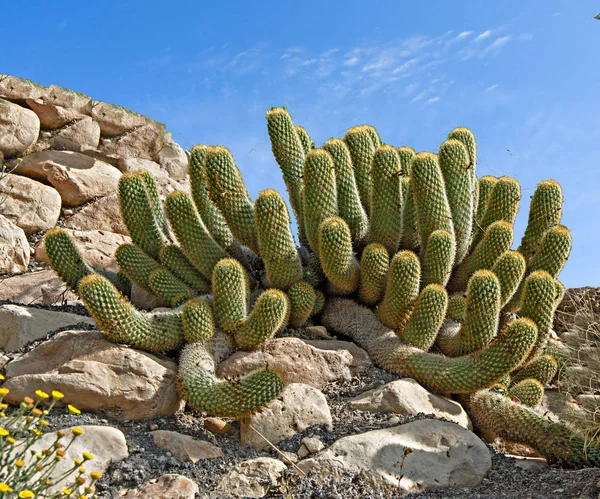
{"points": [[351, 62], [491, 87], [433, 100], [496, 45], [482, 36]]}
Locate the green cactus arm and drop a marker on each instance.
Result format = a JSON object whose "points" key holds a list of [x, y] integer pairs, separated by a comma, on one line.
{"points": [[228, 192], [121, 322], [542, 368], [529, 392], [455, 164], [320, 301], [465, 136], [231, 293], [155, 202], [374, 134], [174, 259], [197, 320], [337, 257], [268, 318], [427, 317], [553, 251], [138, 212], [172, 290], [319, 193], [349, 206], [509, 269], [136, 264], [438, 258], [308, 144], [374, 266], [275, 240], [486, 186], [385, 217], [302, 302], [409, 239], [457, 308], [401, 291], [558, 443], [362, 149], [196, 243], [406, 155], [313, 272]]}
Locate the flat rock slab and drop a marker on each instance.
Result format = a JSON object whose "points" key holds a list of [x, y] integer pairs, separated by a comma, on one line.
{"points": [[103, 214], [97, 375], [183, 447], [43, 287], [406, 396], [252, 478], [170, 486], [408, 458]]}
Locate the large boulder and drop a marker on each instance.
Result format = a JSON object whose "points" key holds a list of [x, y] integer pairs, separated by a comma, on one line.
{"points": [[185, 448], [97, 375], [116, 120], [144, 142], [102, 214], [18, 89], [173, 158], [408, 458], [19, 128], [14, 248], [59, 106], [43, 287], [30, 204], [77, 136], [77, 177]]}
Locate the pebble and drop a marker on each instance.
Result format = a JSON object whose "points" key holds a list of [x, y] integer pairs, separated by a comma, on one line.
{"points": [[394, 420]]}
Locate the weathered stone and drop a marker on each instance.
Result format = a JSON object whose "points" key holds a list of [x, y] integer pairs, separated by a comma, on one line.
{"points": [[65, 97], [320, 332], [143, 142], [97, 375], [173, 158], [216, 425], [14, 248], [252, 478], [52, 116], [20, 325], [103, 214], [43, 287], [315, 363], [19, 128], [115, 120], [298, 407], [29, 204], [407, 458], [170, 486], [18, 89], [78, 136], [184, 447], [313, 444], [406, 396], [77, 177], [97, 247]]}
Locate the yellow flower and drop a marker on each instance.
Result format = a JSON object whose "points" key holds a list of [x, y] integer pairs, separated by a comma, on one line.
{"points": [[3, 406], [26, 494], [4, 391], [3, 432], [44, 423], [96, 475], [2, 378], [28, 400], [10, 440], [56, 394], [81, 469], [66, 491], [5, 488], [41, 394], [19, 463], [36, 412], [73, 410], [87, 456], [83, 497], [60, 433], [77, 431], [36, 432], [77, 462], [60, 452]]}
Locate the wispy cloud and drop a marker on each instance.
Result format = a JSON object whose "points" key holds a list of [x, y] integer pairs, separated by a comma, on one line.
{"points": [[433, 100], [491, 87], [483, 36]]}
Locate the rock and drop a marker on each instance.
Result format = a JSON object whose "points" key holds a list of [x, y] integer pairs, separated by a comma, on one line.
{"points": [[169, 486], [173, 158], [43, 287], [406, 396], [107, 445], [115, 120], [80, 135], [144, 300], [184, 447], [288, 457], [313, 444], [319, 332], [298, 407], [60, 106], [142, 142], [408, 458], [97, 375], [252, 478], [19, 128], [3, 360], [30, 204], [77, 177], [67, 98], [535, 464], [20, 325], [103, 214], [19, 89], [216, 425], [315, 363], [14, 248], [97, 247]]}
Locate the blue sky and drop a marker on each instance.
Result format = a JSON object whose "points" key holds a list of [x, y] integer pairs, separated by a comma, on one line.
{"points": [[522, 75]]}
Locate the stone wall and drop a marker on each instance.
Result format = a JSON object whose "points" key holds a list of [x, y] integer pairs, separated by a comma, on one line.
{"points": [[65, 153]]}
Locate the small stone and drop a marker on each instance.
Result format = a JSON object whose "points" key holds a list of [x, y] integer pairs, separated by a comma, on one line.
{"points": [[216, 425], [184, 447], [303, 451], [394, 420], [313, 444], [153, 427], [170, 486], [67, 212], [252, 478], [319, 331], [288, 457]]}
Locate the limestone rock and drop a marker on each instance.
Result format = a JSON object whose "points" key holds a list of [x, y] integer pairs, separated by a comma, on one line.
{"points": [[78, 136], [298, 407], [312, 362], [97, 375], [408, 458], [29, 204], [116, 120], [406, 396], [252, 478], [20, 325], [173, 158], [142, 142], [97, 247], [19, 128], [217, 425], [102, 215], [59, 106], [184, 447], [43, 287], [14, 248], [169, 486], [77, 177], [18, 89]]}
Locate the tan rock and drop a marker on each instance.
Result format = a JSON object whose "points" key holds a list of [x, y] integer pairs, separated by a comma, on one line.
{"points": [[97, 375], [298, 407], [78, 136], [217, 426], [173, 158], [43, 287], [252, 478], [51, 116], [170, 486], [103, 214], [19, 128], [29, 204], [78, 178], [14, 248], [20, 325], [97, 247], [115, 120], [315, 363], [65, 97], [143, 142], [183, 447], [18, 89]]}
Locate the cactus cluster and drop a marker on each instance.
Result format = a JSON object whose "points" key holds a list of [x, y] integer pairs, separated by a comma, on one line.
{"points": [[407, 254]]}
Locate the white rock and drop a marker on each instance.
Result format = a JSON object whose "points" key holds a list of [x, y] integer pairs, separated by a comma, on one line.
{"points": [[14, 88], [169, 486], [410, 457], [184, 447], [19, 324], [298, 407], [143, 142], [115, 120], [103, 214], [78, 136], [19, 128], [14, 248], [252, 478], [313, 444], [406, 396], [173, 158], [43, 287]]}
